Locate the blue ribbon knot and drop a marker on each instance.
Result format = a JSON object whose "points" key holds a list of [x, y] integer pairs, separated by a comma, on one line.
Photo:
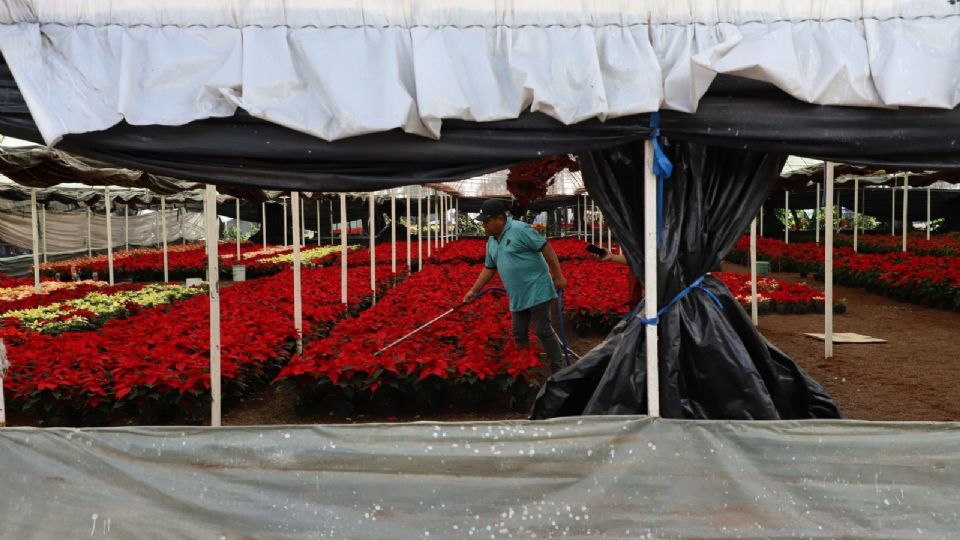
{"points": [[697, 284]]}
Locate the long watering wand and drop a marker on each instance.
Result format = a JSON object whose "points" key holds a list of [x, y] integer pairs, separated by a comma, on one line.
{"points": [[442, 315]]}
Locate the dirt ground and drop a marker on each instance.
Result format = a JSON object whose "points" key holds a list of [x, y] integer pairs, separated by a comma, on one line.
{"points": [[913, 376]]}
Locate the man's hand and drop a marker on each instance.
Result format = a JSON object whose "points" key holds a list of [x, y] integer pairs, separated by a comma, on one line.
{"points": [[560, 282], [470, 296]]}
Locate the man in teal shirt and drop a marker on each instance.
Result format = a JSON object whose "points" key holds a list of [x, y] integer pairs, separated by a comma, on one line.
{"points": [[525, 261]]}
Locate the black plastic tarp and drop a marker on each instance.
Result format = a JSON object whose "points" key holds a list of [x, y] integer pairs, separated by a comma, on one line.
{"points": [[713, 361]]}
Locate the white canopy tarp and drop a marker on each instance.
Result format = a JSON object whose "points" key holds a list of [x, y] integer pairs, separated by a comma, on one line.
{"points": [[345, 68]]}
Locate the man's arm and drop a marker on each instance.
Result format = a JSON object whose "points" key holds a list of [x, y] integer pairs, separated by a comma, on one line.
{"points": [[553, 262], [485, 276]]}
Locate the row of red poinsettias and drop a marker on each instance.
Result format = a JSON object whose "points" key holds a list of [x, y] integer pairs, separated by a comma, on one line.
{"points": [[925, 279], [161, 355], [940, 245]]}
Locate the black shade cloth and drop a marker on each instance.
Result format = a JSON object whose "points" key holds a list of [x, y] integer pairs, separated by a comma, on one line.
{"points": [[713, 362]]}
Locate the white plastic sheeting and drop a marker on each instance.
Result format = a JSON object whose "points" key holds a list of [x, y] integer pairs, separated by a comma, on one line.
{"points": [[591, 477], [351, 67], [67, 231]]}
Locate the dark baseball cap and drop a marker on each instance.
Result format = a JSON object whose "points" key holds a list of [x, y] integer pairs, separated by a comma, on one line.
{"points": [[491, 208]]}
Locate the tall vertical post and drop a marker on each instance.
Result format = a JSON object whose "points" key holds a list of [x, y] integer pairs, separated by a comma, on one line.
{"points": [[609, 239], [35, 235], [89, 234], [213, 277], [761, 220], [650, 279], [816, 215], [856, 209], [303, 222], [928, 213], [263, 223], [429, 246], [297, 294], [601, 229], [318, 222], [593, 215], [106, 202], [393, 232], [579, 221], [343, 248], [126, 226], [163, 235], [406, 196], [237, 226], [373, 249], [754, 309], [419, 228], [786, 217], [828, 267], [456, 213], [906, 191]]}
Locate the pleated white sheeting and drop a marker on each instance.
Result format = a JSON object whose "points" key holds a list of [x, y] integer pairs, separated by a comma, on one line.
{"points": [[336, 69]]}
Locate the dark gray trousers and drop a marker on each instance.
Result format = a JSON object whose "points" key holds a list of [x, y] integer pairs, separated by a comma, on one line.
{"points": [[539, 315]]}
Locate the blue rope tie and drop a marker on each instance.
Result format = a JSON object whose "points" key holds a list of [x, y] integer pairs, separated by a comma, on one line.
{"points": [[661, 167], [697, 284]]}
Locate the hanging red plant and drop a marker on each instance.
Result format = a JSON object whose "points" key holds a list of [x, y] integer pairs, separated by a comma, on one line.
{"points": [[529, 181]]}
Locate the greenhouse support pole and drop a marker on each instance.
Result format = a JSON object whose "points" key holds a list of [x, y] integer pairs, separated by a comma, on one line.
{"points": [[429, 246], [89, 235], [440, 231], [761, 220], [163, 235], [393, 232], [456, 213], [863, 209], [35, 235], [906, 191], [263, 222], [297, 291], [237, 231], [373, 249], [609, 239], [318, 222], [419, 228], [106, 202], [212, 238], [754, 311], [126, 226], [343, 248], [601, 229], [928, 213], [303, 222], [828, 268], [43, 230], [650, 280], [856, 210], [816, 215], [406, 195], [579, 221]]}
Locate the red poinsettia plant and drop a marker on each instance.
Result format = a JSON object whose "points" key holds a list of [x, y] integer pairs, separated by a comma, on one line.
{"points": [[529, 181]]}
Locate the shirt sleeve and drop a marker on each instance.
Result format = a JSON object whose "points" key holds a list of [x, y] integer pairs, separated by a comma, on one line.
{"points": [[531, 239], [488, 261]]}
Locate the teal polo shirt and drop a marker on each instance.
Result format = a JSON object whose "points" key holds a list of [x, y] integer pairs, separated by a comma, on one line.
{"points": [[523, 270]]}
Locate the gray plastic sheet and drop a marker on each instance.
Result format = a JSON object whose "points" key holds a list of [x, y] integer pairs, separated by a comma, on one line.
{"points": [[614, 477]]}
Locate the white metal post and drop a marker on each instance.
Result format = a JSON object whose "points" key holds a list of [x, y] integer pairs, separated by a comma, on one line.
{"points": [[593, 215], [650, 279], [828, 268], [297, 295], [754, 310], [126, 226], [343, 248], [212, 238], [816, 215], [429, 244], [373, 249], [579, 221], [893, 207], [318, 222], [303, 223], [163, 234], [43, 227], [457, 215], [35, 235], [237, 227], [263, 220], [761, 220], [89, 235], [419, 228], [906, 191], [406, 193], [609, 239], [786, 217], [106, 202], [856, 209], [393, 232], [928, 213], [601, 229]]}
